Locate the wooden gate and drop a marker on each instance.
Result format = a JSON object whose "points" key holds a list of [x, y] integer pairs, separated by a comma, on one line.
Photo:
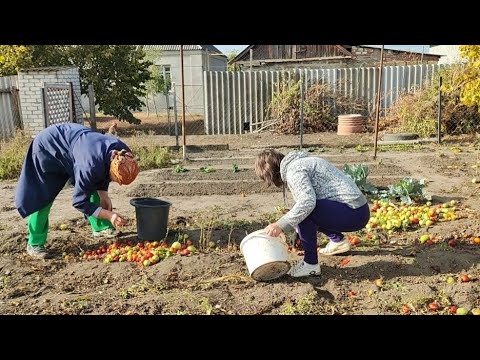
{"points": [[58, 103]]}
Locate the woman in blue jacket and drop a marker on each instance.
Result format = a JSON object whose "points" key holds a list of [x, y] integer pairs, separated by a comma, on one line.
{"points": [[89, 160]]}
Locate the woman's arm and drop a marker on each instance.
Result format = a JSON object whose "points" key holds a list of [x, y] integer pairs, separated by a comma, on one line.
{"points": [[105, 201], [305, 200]]}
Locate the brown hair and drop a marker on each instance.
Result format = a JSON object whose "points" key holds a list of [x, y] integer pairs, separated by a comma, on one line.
{"points": [[267, 167]]}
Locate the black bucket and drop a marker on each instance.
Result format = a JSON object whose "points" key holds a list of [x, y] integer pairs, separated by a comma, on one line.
{"points": [[152, 218]]}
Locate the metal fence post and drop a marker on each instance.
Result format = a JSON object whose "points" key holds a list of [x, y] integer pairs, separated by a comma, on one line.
{"points": [[175, 112], [439, 121], [91, 101], [302, 98]]}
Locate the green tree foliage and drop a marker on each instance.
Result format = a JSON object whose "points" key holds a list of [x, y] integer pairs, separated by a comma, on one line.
{"points": [[157, 83], [471, 86], [232, 67], [13, 58], [118, 72]]}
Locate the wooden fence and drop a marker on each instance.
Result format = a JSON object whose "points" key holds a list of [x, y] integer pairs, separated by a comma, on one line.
{"points": [[10, 113]]}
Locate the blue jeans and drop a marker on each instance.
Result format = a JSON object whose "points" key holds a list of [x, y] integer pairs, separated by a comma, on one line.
{"points": [[331, 218]]}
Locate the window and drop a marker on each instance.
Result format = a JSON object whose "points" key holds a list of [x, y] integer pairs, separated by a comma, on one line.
{"points": [[166, 73]]}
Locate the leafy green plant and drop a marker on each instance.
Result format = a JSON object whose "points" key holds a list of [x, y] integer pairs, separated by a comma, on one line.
{"points": [[306, 305], [207, 169], [359, 174], [180, 169], [152, 157], [235, 168], [407, 190]]}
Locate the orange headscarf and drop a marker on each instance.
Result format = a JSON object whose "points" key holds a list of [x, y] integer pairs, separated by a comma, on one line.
{"points": [[123, 167]]}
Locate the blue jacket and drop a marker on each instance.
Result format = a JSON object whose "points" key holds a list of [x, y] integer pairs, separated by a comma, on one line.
{"points": [[60, 153]]}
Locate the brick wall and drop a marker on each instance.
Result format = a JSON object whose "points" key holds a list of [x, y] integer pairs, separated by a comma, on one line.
{"points": [[30, 84]]}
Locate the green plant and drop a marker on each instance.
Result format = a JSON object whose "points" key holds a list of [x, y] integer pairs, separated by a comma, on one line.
{"points": [[407, 190], [362, 148], [359, 174], [12, 153], [235, 168], [4, 280], [206, 306], [207, 169], [303, 306], [272, 217], [153, 157], [180, 169], [207, 221]]}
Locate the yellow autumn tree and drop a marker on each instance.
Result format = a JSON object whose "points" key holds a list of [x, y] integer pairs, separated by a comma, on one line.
{"points": [[471, 88], [12, 58]]}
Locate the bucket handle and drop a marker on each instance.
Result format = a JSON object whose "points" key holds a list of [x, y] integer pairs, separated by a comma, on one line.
{"points": [[263, 232]]}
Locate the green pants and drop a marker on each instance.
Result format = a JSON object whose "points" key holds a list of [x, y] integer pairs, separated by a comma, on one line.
{"points": [[38, 223]]}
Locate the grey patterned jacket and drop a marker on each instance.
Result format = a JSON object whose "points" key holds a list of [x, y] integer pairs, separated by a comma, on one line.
{"points": [[310, 178]]}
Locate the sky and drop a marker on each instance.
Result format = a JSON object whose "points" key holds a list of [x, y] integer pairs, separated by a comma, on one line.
{"points": [[237, 48]]}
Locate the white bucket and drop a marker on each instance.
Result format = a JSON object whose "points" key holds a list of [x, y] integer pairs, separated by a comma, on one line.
{"points": [[266, 256]]}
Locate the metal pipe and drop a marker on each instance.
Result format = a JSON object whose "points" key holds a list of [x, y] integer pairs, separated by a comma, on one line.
{"points": [[439, 121], [184, 139], [302, 99], [377, 112], [175, 113], [251, 58]]}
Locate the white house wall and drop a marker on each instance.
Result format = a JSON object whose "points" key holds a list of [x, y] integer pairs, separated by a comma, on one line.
{"points": [[451, 53], [194, 62]]}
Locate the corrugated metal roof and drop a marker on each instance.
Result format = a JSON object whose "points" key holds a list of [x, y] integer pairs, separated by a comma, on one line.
{"points": [[210, 48]]}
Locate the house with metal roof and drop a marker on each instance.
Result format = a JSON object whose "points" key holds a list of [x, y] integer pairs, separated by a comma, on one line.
{"points": [[276, 57], [196, 60]]}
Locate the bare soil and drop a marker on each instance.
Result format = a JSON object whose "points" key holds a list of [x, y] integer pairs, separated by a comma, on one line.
{"points": [[216, 281]]}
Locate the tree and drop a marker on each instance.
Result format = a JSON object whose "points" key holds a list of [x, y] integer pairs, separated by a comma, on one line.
{"points": [[231, 55], [157, 84], [13, 58], [118, 72], [471, 87]]}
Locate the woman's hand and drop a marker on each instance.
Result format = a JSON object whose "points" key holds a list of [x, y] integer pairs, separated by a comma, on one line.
{"points": [[273, 230], [118, 220]]}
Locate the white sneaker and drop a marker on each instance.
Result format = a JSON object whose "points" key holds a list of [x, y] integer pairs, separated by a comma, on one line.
{"points": [[301, 269], [334, 248]]}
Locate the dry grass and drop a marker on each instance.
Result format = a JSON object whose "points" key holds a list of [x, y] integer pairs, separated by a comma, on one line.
{"points": [[12, 153], [152, 125], [322, 105]]}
